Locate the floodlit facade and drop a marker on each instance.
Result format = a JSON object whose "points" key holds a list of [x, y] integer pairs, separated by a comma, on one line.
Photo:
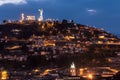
{"points": [[30, 18]]}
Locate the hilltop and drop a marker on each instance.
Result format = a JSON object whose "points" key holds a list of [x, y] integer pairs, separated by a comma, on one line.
{"points": [[54, 28]]}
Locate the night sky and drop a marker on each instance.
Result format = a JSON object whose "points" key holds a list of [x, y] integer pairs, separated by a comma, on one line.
{"points": [[100, 13]]}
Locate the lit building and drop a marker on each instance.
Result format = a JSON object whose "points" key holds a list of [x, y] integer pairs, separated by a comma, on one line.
{"points": [[101, 37], [41, 15], [72, 70], [4, 75], [30, 18]]}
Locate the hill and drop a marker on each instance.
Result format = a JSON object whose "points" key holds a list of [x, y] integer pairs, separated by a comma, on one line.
{"points": [[60, 43]]}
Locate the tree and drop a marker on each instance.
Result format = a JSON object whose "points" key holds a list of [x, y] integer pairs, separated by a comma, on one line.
{"points": [[5, 21]]}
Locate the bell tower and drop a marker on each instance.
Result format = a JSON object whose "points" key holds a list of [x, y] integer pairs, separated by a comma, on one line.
{"points": [[72, 70]]}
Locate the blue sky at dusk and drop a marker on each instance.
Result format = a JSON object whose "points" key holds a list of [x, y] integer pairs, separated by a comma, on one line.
{"points": [[100, 13]]}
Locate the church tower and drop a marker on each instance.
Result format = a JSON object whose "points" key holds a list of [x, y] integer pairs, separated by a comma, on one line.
{"points": [[72, 70]]}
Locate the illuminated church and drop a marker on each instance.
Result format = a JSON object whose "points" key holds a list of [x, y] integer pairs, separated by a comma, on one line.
{"points": [[72, 70]]}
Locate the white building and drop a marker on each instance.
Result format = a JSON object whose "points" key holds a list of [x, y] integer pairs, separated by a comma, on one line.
{"points": [[72, 70], [30, 18]]}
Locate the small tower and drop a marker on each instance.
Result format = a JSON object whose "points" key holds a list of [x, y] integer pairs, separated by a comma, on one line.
{"points": [[22, 17], [41, 15], [72, 70]]}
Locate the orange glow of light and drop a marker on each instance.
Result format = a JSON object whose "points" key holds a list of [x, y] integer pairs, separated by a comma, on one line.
{"points": [[90, 76], [101, 37], [4, 75]]}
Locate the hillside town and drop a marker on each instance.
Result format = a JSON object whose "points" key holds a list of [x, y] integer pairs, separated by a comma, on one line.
{"points": [[45, 49]]}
